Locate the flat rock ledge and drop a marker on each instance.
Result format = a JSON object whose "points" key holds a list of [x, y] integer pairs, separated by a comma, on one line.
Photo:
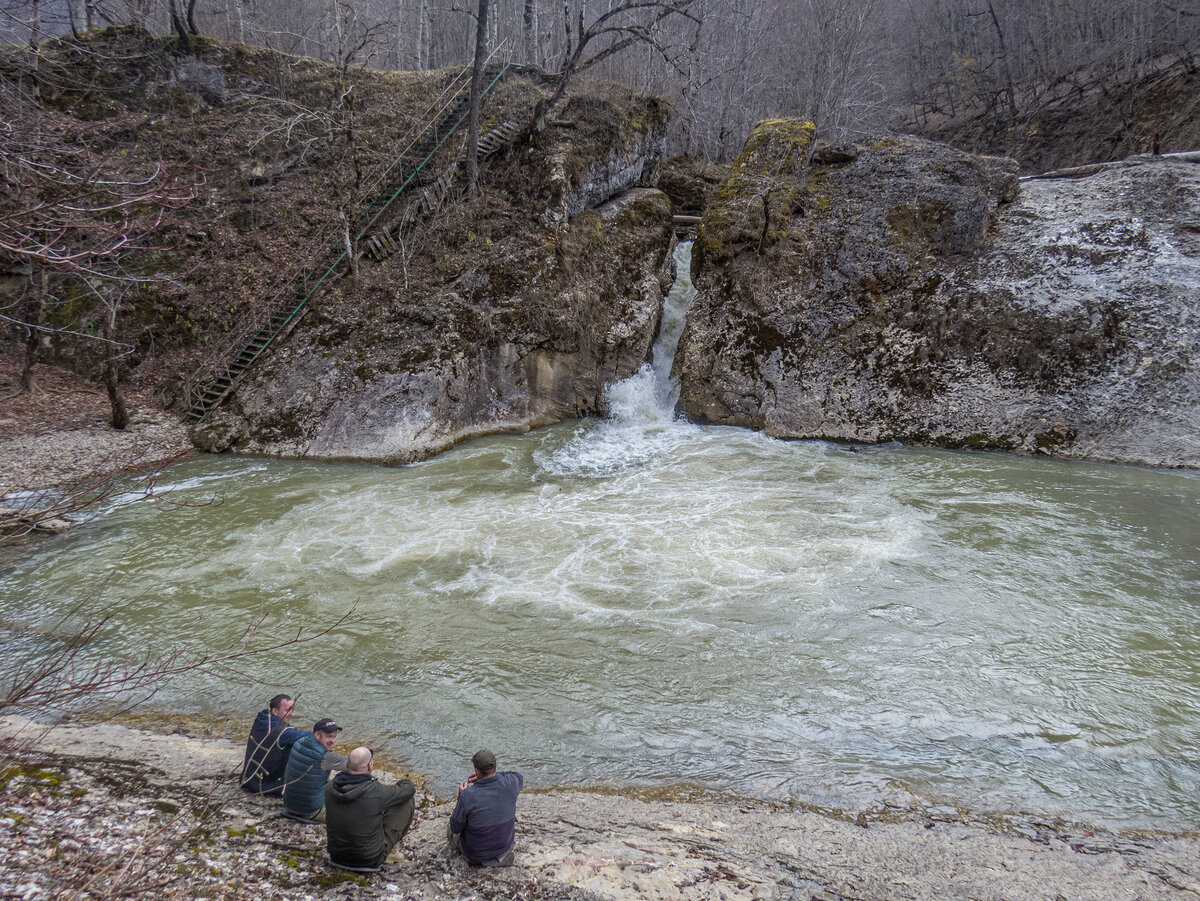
{"points": [[106, 811]]}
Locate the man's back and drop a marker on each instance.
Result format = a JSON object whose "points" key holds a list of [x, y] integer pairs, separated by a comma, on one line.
{"points": [[486, 816], [358, 814]]}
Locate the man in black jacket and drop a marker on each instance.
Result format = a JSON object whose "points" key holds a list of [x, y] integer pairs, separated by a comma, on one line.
{"points": [[267, 749], [364, 819]]}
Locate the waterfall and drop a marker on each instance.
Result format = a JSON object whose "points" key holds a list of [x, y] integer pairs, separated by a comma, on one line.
{"points": [[641, 426], [650, 395]]}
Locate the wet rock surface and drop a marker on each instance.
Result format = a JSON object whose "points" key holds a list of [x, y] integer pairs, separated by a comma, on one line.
{"points": [[914, 293], [107, 808]]}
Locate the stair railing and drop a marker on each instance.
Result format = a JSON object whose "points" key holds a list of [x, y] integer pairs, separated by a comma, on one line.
{"points": [[280, 316]]}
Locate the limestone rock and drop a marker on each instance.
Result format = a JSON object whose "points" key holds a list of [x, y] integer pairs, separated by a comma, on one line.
{"points": [[219, 433], [93, 798], [629, 145], [912, 295], [524, 302], [826, 154], [689, 182], [501, 351], [197, 77]]}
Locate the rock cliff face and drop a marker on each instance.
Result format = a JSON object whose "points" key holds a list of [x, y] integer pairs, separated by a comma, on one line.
{"points": [[549, 288], [917, 293]]}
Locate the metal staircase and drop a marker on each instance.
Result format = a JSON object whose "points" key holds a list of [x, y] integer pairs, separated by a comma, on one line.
{"points": [[405, 174], [386, 241]]}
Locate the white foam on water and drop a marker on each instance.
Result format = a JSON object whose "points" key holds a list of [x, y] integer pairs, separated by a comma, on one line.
{"points": [[688, 601], [641, 427]]}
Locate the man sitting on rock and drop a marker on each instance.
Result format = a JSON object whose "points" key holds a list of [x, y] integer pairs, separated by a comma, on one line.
{"points": [[483, 827], [364, 818], [308, 769], [267, 749]]}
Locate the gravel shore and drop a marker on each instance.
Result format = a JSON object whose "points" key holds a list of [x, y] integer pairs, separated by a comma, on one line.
{"points": [[98, 811], [58, 447]]}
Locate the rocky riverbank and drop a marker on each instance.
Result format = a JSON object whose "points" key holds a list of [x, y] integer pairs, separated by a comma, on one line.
{"points": [[904, 290], [106, 810], [61, 433], [58, 447]]}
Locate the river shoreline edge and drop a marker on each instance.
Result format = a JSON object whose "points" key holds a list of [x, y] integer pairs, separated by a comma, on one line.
{"points": [[78, 801]]}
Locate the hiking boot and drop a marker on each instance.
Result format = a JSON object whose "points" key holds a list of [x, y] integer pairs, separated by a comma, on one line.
{"points": [[504, 860]]}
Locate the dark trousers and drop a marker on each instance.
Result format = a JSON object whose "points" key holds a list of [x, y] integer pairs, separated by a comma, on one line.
{"points": [[455, 843], [396, 822]]}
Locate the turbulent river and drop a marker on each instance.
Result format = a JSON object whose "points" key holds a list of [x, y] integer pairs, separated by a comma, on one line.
{"points": [[637, 601]]}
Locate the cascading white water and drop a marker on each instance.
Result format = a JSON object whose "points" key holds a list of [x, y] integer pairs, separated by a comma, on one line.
{"points": [[641, 425], [650, 394]]}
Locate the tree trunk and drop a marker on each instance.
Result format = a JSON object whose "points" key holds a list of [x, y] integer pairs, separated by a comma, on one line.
{"points": [[422, 35], [120, 415], [530, 23], [35, 25], [1006, 72], [73, 16], [35, 305], [239, 18], [476, 98], [349, 209], [191, 17], [350, 246], [180, 26]]}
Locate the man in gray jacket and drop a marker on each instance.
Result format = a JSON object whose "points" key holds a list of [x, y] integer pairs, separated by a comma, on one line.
{"points": [[364, 819]]}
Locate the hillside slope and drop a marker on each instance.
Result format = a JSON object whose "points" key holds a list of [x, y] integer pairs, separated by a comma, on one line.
{"points": [[271, 148], [1072, 126]]}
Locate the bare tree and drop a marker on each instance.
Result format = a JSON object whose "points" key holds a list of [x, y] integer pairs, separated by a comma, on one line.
{"points": [[481, 56], [623, 25], [73, 212], [63, 678], [54, 673]]}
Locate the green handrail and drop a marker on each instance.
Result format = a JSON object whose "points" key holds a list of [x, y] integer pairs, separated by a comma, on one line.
{"points": [[304, 292], [417, 169]]}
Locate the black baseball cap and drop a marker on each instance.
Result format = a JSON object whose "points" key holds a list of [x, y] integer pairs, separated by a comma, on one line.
{"points": [[326, 725]]}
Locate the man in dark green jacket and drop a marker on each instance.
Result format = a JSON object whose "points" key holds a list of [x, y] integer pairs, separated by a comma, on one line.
{"points": [[364, 819]]}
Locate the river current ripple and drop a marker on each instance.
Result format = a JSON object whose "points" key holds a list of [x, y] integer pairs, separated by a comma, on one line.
{"points": [[638, 601]]}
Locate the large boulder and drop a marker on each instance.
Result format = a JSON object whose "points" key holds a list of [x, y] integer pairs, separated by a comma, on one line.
{"points": [[689, 182], [911, 292]]}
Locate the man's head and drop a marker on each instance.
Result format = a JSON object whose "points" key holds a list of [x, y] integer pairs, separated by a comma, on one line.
{"points": [[281, 706], [361, 760], [325, 731], [484, 763]]}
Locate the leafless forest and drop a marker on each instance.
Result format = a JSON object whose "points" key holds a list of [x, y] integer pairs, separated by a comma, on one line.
{"points": [[850, 65]]}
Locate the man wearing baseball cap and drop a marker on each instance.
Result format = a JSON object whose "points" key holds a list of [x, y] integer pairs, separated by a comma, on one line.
{"points": [[308, 769]]}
